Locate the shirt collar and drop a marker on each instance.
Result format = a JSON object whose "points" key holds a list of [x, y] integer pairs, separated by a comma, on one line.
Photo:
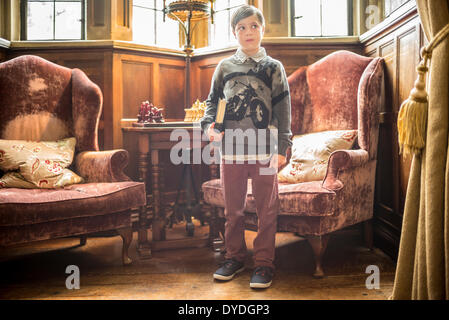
{"points": [[242, 56]]}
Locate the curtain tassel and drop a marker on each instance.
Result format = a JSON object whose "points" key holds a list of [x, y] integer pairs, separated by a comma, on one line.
{"points": [[412, 118]]}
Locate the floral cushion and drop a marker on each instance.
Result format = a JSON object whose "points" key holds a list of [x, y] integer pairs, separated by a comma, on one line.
{"points": [[310, 154], [14, 179], [37, 164]]}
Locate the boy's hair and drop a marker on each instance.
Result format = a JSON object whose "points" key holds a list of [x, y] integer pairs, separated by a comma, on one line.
{"points": [[246, 11]]}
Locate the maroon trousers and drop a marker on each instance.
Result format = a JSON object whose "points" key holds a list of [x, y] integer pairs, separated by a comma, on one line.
{"points": [[234, 178]]}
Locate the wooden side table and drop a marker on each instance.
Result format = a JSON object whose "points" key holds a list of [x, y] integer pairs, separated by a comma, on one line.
{"points": [[151, 140]]}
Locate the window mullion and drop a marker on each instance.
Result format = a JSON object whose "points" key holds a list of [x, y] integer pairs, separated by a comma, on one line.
{"points": [[24, 20], [82, 20], [54, 19], [292, 18]]}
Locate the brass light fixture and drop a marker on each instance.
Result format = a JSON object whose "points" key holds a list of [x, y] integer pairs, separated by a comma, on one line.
{"points": [[187, 12]]}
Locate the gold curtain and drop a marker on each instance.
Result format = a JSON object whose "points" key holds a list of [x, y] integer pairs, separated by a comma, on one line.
{"points": [[423, 263]]}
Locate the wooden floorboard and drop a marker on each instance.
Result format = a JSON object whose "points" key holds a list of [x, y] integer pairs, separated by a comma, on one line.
{"points": [[38, 271]]}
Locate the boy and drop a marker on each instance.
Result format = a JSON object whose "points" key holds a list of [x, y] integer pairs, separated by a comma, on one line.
{"points": [[257, 99]]}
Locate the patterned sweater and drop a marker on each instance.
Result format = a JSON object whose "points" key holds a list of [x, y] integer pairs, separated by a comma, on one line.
{"points": [[257, 99]]}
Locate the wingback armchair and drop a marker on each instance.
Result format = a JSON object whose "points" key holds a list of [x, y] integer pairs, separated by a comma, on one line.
{"points": [[341, 91], [42, 101]]}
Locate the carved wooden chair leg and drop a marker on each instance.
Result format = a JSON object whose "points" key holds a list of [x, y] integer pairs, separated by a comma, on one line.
{"points": [[318, 244], [368, 233], [83, 240], [127, 237]]}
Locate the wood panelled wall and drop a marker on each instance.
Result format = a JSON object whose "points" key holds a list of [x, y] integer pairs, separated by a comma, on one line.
{"points": [[399, 44]]}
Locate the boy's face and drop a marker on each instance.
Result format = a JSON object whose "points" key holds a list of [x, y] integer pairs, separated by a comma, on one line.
{"points": [[249, 33]]}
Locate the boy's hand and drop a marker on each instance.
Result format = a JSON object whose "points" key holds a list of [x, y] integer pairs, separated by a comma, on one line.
{"points": [[278, 161], [213, 134]]}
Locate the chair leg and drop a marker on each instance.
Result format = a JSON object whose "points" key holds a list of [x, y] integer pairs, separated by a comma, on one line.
{"points": [[127, 237], [368, 233], [318, 244], [83, 240]]}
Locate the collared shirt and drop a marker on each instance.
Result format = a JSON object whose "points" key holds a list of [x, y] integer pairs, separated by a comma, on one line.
{"points": [[242, 56]]}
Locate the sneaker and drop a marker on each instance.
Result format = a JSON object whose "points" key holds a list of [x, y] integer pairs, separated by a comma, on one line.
{"points": [[229, 269], [262, 277]]}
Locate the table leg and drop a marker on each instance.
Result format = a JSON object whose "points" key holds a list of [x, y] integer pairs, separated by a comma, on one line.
{"points": [[143, 245], [158, 212]]}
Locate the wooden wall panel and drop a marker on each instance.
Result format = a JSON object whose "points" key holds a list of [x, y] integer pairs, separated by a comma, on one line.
{"points": [[171, 90], [138, 77], [206, 72], [387, 147], [408, 60], [137, 84], [399, 44]]}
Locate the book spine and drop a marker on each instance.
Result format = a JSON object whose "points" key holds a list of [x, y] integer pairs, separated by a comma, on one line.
{"points": [[219, 119]]}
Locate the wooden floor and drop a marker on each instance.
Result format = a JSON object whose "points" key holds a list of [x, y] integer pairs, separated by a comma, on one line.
{"points": [[38, 271]]}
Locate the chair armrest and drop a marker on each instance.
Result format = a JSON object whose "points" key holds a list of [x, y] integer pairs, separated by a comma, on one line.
{"points": [[342, 160], [102, 166]]}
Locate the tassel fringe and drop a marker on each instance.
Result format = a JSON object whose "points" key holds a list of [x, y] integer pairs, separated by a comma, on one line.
{"points": [[412, 118], [412, 121]]}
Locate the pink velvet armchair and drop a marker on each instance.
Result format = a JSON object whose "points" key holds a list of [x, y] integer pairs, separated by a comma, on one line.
{"points": [[341, 91], [42, 101]]}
